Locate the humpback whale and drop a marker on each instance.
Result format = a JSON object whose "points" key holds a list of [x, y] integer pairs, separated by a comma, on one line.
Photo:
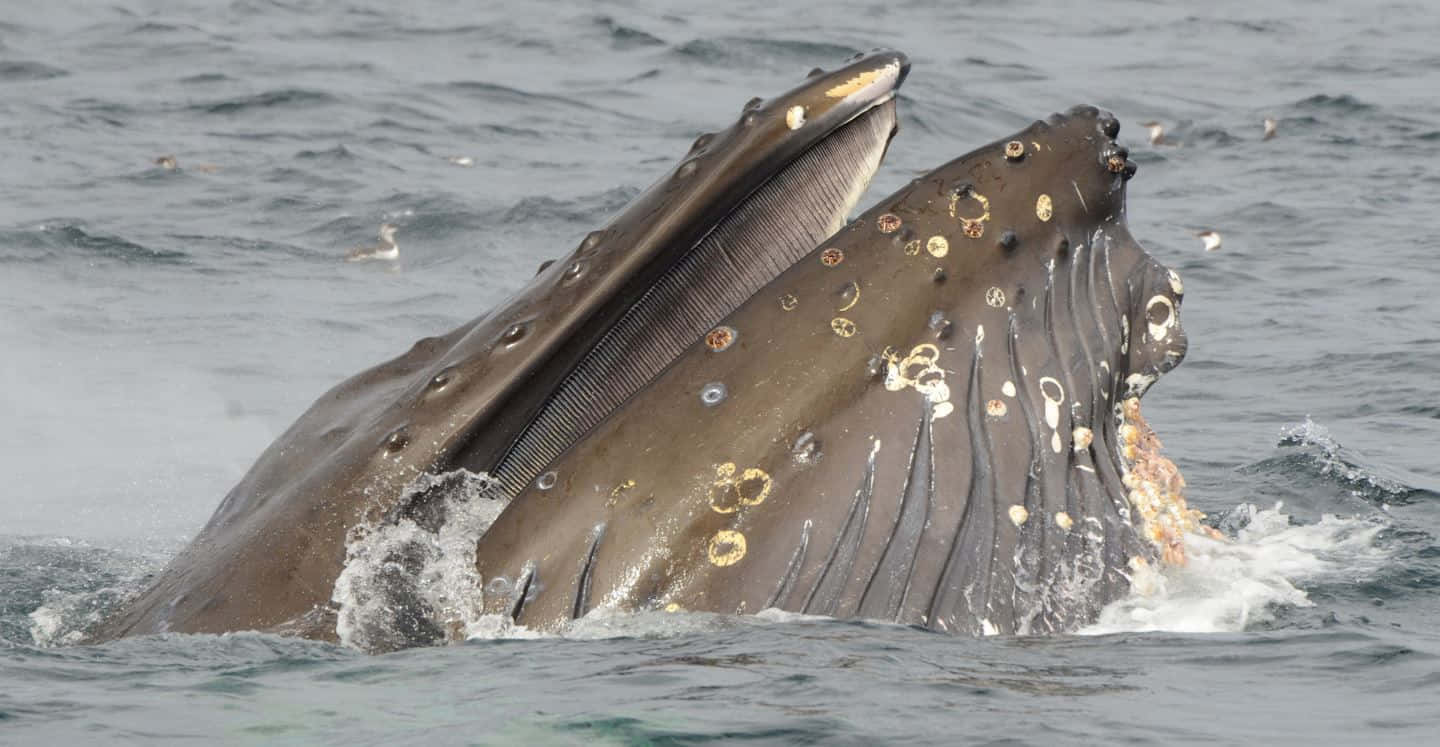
{"points": [[730, 399], [515, 387]]}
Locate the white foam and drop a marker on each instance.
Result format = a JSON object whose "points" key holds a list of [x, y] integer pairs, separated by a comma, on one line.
{"points": [[1229, 585], [389, 567], [65, 617], [48, 628]]}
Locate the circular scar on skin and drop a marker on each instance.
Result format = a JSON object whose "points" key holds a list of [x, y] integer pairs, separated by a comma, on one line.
{"points": [[726, 548], [712, 394]]}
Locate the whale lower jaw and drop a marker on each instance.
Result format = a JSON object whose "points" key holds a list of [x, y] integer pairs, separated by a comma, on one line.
{"points": [[932, 418]]}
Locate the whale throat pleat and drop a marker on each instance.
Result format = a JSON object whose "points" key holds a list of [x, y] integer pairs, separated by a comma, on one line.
{"points": [[781, 222]]}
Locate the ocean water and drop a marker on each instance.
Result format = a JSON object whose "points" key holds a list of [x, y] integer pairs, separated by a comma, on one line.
{"points": [[158, 328]]}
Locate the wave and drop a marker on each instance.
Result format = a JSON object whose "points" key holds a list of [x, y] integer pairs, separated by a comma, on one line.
{"points": [[1343, 104], [290, 98], [64, 237], [749, 52], [626, 37], [18, 70], [518, 99], [1310, 457], [584, 209]]}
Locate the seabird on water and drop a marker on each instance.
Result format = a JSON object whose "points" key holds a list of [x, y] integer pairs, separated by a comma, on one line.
{"points": [[1270, 126], [1157, 132], [169, 162], [1211, 239], [387, 248]]}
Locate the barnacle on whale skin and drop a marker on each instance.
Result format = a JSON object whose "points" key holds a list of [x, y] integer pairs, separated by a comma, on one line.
{"points": [[1157, 489]]}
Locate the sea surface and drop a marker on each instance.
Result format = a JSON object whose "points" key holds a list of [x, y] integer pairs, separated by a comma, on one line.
{"points": [[158, 328]]}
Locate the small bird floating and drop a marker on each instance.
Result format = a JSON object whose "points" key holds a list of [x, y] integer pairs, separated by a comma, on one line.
{"points": [[1157, 133], [170, 163], [1211, 239], [387, 249], [1270, 127]]}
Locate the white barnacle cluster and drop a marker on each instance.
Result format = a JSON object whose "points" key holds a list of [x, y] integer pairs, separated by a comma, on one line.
{"points": [[1156, 488], [921, 371]]}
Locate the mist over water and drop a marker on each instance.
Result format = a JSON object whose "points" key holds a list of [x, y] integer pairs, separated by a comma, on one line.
{"points": [[159, 328]]}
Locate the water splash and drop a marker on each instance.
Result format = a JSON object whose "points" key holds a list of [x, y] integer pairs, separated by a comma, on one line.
{"points": [[1231, 585], [410, 579], [53, 590]]}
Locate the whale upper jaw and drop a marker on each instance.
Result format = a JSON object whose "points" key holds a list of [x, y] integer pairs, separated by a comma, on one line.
{"points": [[764, 190]]}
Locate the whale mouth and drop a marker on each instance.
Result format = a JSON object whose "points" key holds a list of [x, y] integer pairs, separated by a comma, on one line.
{"points": [[806, 201]]}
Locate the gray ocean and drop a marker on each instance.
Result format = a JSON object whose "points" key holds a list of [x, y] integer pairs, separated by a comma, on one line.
{"points": [[158, 328]]}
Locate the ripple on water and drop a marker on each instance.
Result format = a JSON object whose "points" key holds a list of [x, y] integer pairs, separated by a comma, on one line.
{"points": [[752, 52], [587, 208], [62, 238], [19, 70], [266, 100], [626, 37]]}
